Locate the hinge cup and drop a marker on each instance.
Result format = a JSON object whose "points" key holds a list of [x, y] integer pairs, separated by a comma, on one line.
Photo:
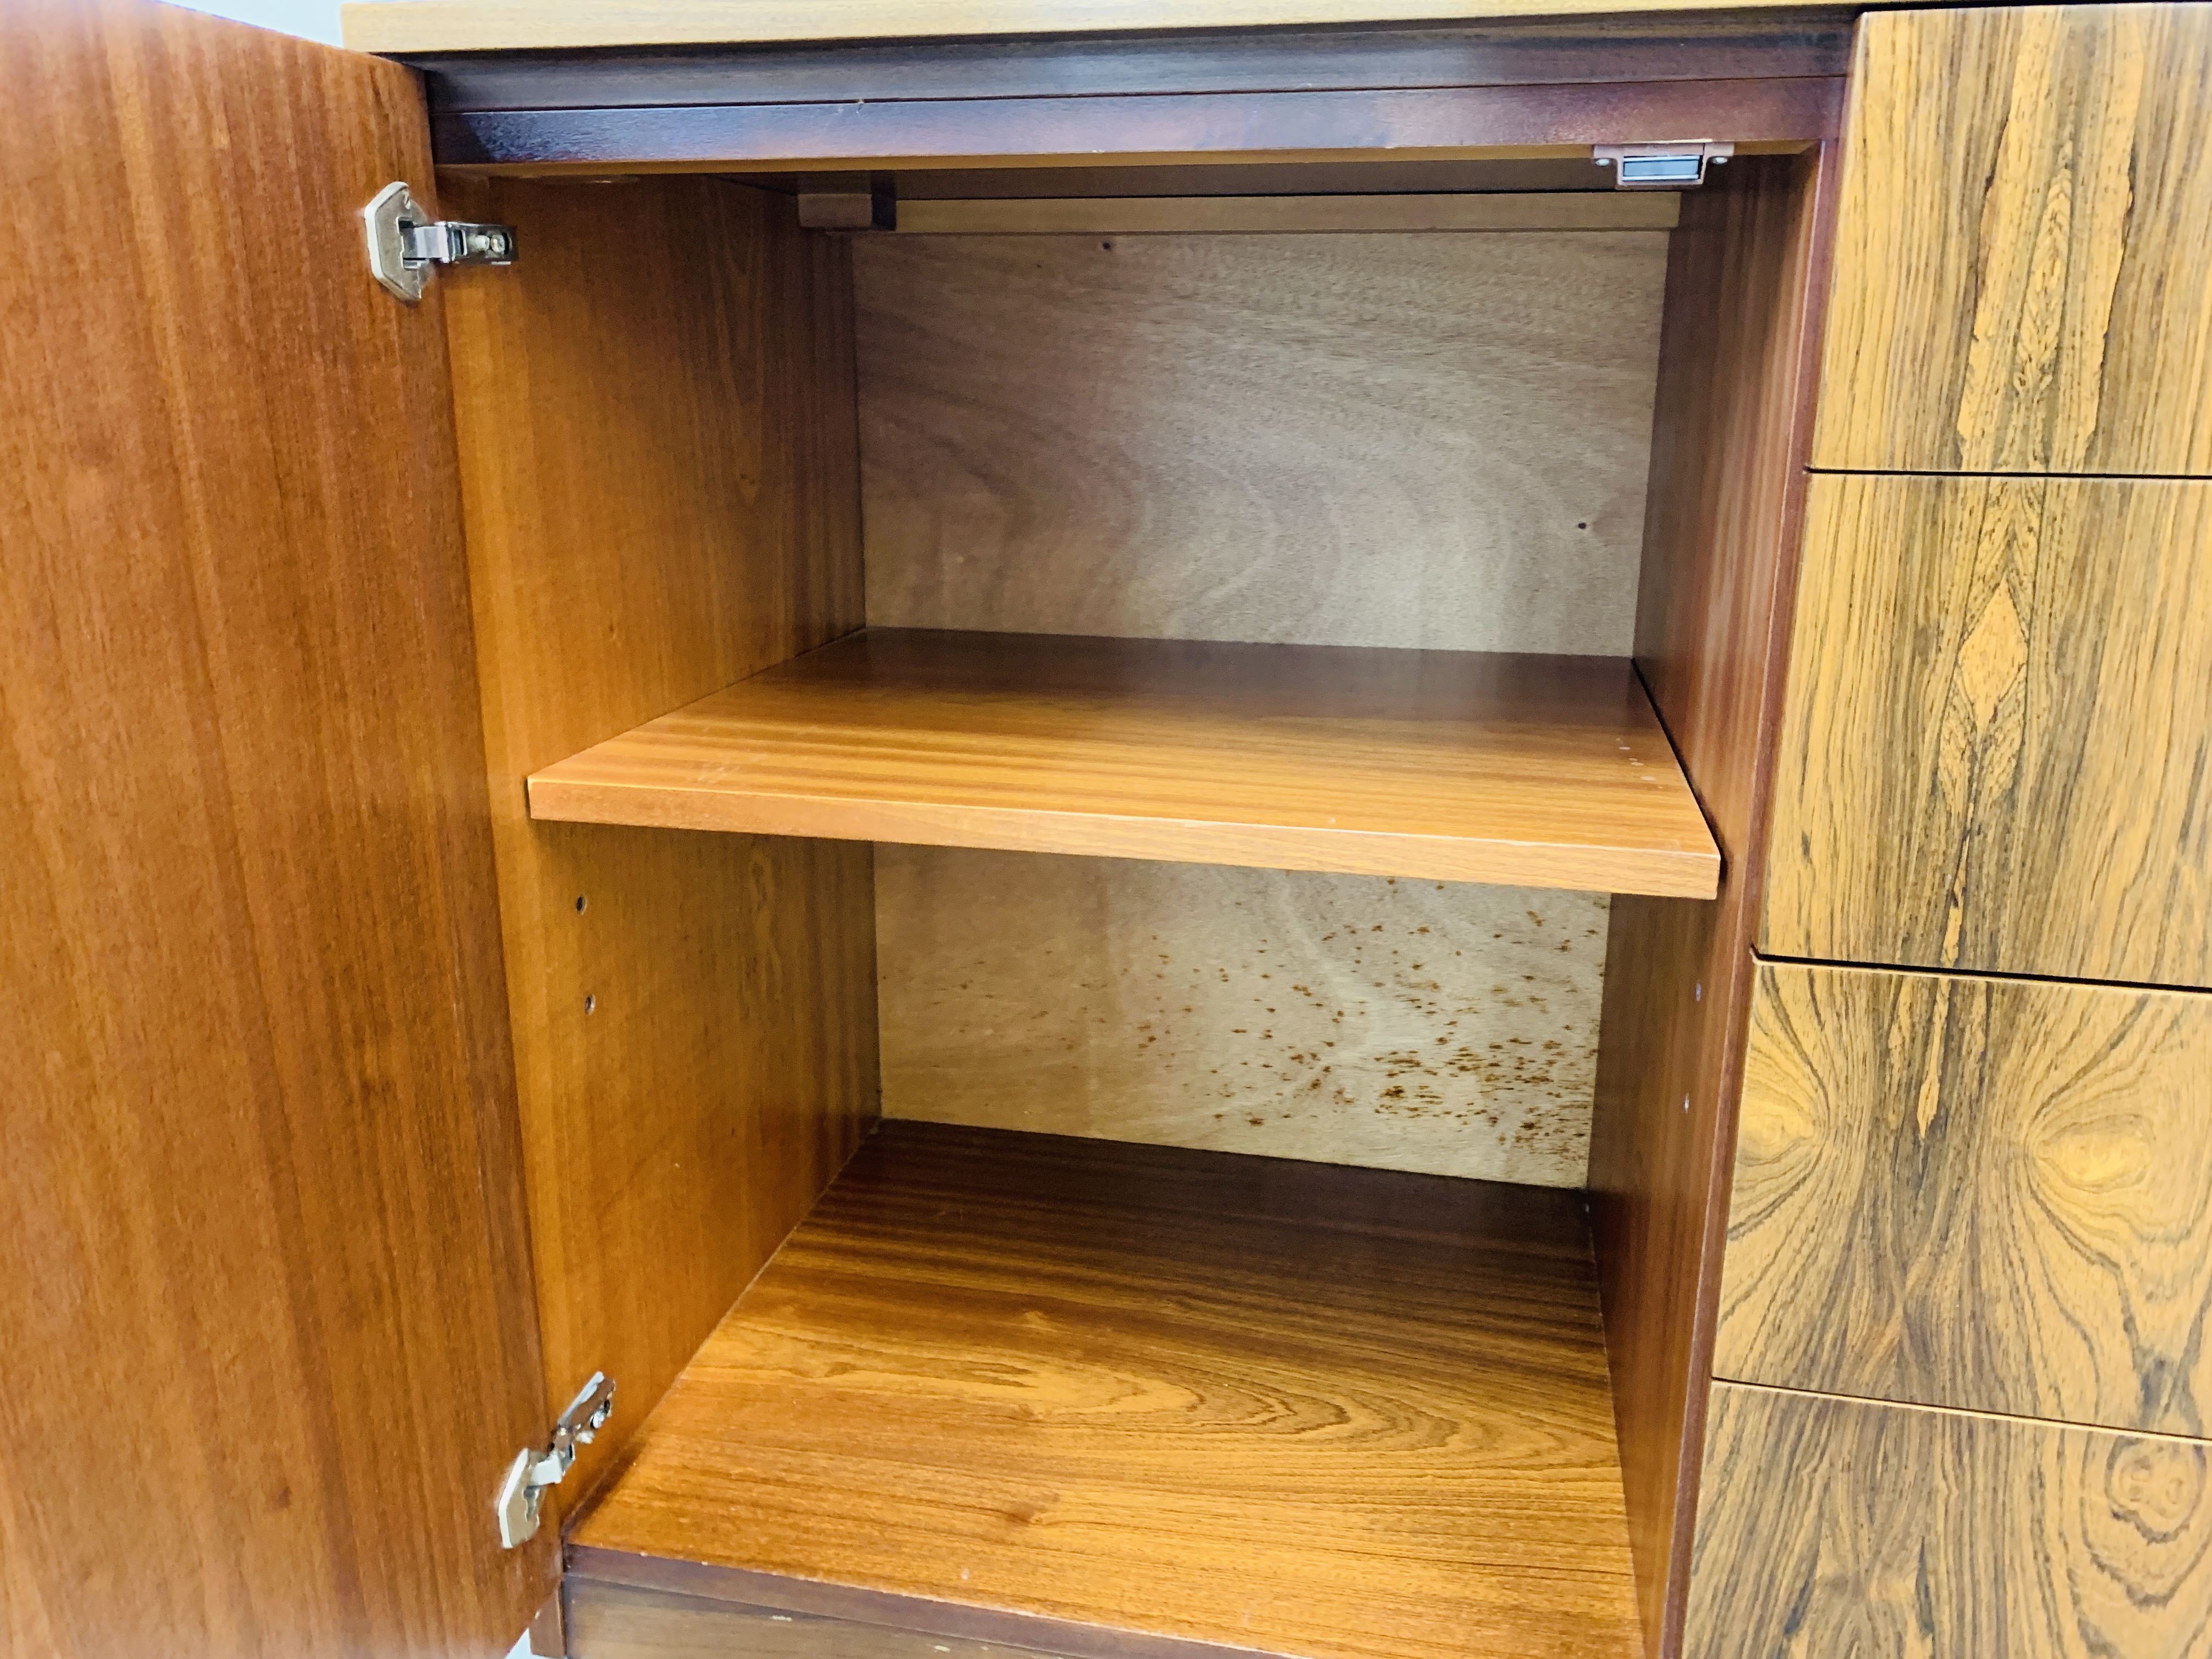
{"points": [[522, 1493], [404, 242]]}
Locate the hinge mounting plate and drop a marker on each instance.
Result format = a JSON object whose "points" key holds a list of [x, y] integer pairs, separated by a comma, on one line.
{"points": [[1678, 164], [404, 242], [522, 1493]]}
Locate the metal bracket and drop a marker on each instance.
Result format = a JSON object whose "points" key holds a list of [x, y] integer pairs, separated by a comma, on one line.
{"points": [[404, 242], [522, 1493], [1677, 165]]}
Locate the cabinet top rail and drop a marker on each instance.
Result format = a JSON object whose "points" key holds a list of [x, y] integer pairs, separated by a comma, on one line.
{"points": [[432, 26]]}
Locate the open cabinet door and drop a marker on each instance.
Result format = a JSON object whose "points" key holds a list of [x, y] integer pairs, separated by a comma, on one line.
{"points": [[267, 1311]]}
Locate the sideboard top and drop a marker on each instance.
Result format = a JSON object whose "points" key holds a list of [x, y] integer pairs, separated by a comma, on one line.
{"points": [[441, 25]]}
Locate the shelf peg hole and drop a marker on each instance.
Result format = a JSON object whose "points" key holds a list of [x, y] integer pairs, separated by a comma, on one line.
{"points": [[592, 1004]]}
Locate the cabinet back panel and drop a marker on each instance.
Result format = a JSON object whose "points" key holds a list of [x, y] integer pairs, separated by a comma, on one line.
{"points": [[1429, 440], [1451, 1028], [1420, 440]]}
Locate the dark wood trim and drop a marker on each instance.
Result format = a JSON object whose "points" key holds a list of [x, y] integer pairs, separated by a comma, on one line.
{"points": [[889, 1610], [1786, 44], [1784, 112]]}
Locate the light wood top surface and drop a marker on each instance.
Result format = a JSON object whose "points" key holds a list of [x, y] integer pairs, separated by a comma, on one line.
{"points": [[403, 26], [1455, 766], [1122, 1400]]}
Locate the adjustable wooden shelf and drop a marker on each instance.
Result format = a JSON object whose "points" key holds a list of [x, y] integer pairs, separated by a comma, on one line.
{"points": [[1456, 766]]}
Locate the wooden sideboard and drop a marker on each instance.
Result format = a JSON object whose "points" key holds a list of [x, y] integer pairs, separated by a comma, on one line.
{"points": [[1211, 865]]}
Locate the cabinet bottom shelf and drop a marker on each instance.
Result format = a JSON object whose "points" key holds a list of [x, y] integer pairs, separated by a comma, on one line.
{"points": [[1110, 1401]]}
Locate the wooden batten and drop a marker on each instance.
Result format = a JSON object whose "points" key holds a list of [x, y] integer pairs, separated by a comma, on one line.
{"points": [[1183, 215]]}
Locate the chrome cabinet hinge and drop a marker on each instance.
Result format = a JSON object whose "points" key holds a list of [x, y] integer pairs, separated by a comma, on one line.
{"points": [[522, 1494], [404, 242], [1678, 165]]}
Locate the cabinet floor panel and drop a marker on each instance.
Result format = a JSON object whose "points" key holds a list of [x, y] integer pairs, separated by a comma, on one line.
{"points": [[1121, 1403], [1539, 771]]}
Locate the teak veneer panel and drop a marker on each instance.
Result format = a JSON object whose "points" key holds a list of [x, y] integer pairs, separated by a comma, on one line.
{"points": [[269, 1334], [1429, 440], [1445, 1027], [1990, 1193], [662, 496], [1133, 1401], [409, 26], [1997, 745], [1458, 766], [1893, 1532], [2027, 215]]}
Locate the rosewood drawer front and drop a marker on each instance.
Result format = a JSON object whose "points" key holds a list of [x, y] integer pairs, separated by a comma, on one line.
{"points": [[1841, 1526], [2026, 212], [1996, 744], [1974, 1193]]}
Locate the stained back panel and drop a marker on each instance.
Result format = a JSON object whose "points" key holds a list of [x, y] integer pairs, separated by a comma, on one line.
{"points": [[1416, 441], [661, 498]]}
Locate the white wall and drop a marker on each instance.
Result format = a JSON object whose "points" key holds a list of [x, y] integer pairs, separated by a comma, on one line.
{"points": [[316, 19]]}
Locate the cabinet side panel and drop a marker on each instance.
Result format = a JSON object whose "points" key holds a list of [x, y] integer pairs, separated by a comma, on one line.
{"points": [[268, 1319], [1737, 359], [660, 468]]}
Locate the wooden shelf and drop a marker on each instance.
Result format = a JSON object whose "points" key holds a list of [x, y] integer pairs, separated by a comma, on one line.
{"points": [[1115, 1402], [1456, 766]]}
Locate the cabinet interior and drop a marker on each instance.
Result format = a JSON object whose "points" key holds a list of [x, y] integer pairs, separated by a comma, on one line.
{"points": [[1152, 714]]}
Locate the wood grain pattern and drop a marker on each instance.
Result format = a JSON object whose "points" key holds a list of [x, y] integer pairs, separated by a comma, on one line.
{"points": [[2024, 190], [621, 1621], [661, 497], [1998, 748], [1057, 436], [1781, 113], [1911, 1145], [1153, 215], [1736, 369], [1456, 766], [1841, 1526], [1129, 1400], [1350, 1019], [268, 1326], [408, 26]]}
